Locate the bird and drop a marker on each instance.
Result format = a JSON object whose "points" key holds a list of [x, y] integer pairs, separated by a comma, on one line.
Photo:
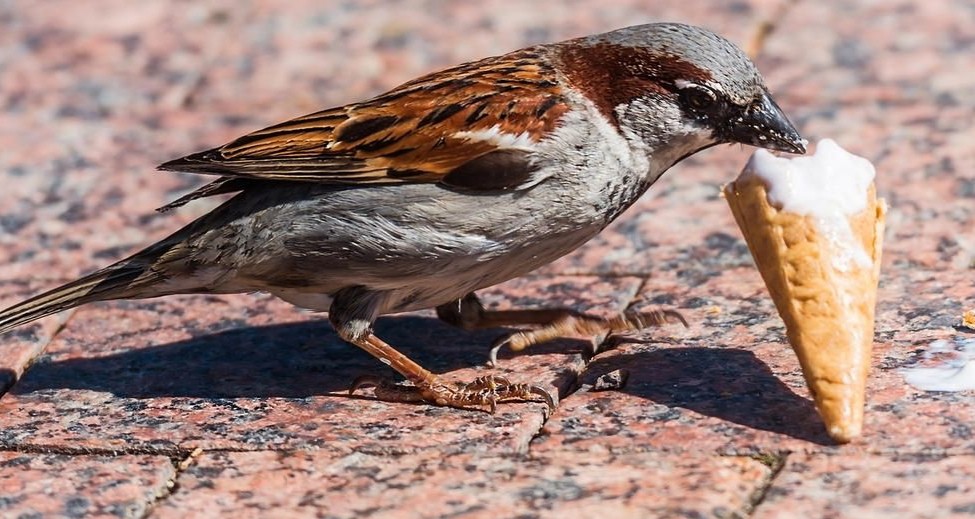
{"points": [[452, 182]]}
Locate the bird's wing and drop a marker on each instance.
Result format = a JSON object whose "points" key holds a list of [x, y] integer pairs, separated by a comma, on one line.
{"points": [[470, 126]]}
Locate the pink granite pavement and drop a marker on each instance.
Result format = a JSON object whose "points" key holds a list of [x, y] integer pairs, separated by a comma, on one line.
{"points": [[202, 406]]}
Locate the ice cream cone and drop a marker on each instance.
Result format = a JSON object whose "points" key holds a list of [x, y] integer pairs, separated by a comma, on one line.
{"points": [[824, 292]]}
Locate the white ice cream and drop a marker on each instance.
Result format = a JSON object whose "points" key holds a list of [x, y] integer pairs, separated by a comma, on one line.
{"points": [[957, 373], [829, 186]]}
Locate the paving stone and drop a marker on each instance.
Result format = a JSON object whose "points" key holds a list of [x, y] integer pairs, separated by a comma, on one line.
{"points": [[871, 486], [94, 105], [22, 346], [93, 102], [213, 372], [899, 99], [305, 484], [731, 383], [59, 485]]}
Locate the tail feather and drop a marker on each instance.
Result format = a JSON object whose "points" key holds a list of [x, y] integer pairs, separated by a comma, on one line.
{"points": [[118, 281], [163, 268]]}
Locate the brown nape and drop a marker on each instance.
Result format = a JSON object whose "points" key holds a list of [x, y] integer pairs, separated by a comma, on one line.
{"points": [[612, 74]]}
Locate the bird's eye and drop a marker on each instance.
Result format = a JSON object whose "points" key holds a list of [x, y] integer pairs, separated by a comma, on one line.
{"points": [[698, 99]]}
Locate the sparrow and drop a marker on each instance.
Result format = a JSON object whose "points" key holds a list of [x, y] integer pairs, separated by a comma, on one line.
{"points": [[452, 182]]}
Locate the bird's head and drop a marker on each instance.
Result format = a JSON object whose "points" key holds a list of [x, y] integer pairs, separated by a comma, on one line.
{"points": [[677, 89]]}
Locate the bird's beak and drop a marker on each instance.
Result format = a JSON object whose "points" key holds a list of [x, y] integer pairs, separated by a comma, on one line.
{"points": [[763, 124]]}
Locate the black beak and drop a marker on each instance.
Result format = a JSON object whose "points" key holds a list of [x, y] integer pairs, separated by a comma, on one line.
{"points": [[763, 124]]}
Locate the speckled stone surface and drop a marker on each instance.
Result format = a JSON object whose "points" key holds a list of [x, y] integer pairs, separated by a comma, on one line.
{"points": [[94, 95], [732, 384], [21, 346], [465, 485], [181, 373], [871, 486], [57, 485]]}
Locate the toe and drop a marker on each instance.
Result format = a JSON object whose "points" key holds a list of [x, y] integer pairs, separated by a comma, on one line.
{"points": [[483, 393], [387, 390]]}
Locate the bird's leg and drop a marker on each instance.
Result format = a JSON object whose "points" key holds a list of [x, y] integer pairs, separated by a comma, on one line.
{"points": [[486, 391], [481, 392], [468, 313], [575, 325]]}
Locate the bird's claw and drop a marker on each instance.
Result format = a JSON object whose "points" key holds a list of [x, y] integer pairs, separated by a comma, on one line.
{"points": [[511, 340], [482, 392]]}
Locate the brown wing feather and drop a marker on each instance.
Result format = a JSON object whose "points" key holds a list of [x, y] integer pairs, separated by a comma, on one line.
{"points": [[220, 186], [406, 135]]}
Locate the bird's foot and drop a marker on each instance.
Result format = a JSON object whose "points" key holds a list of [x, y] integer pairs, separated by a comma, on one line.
{"points": [[481, 393], [580, 325]]}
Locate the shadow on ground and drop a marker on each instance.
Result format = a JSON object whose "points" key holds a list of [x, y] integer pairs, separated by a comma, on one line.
{"points": [[307, 359], [730, 384], [289, 360]]}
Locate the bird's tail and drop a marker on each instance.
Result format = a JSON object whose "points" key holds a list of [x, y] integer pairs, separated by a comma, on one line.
{"points": [[130, 278]]}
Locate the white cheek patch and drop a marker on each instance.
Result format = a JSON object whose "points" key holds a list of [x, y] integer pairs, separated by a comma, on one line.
{"points": [[667, 137], [498, 137]]}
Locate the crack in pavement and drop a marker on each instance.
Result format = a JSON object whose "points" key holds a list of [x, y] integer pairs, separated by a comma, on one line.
{"points": [[172, 485], [775, 462]]}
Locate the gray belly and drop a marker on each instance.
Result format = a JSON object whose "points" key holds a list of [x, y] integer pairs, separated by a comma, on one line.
{"points": [[423, 245]]}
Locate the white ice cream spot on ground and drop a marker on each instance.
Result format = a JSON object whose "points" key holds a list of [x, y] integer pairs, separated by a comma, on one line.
{"points": [[945, 366], [830, 186]]}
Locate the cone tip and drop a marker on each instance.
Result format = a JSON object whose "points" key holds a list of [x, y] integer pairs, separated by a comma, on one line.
{"points": [[844, 432]]}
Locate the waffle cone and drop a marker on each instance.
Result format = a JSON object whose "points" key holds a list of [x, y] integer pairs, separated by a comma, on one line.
{"points": [[828, 308]]}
